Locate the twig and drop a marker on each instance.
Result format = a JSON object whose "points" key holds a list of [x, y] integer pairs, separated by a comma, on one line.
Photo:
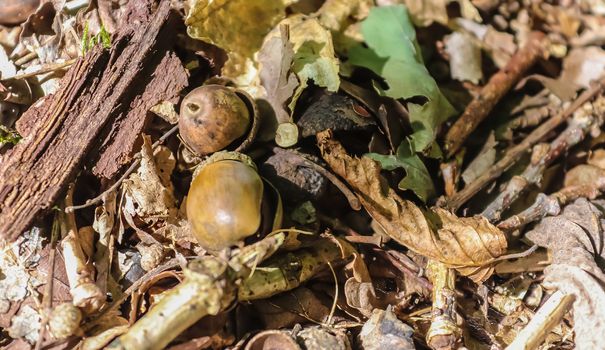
{"points": [[499, 84], [543, 156], [170, 264], [78, 266], [547, 317], [47, 299], [351, 197], [51, 67], [551, 205], [444, 333], [133, 166], [511, 156]]}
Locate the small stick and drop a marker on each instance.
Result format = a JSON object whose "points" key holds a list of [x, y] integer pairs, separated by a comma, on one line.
{"points": [[351, 197], [543, 156], [547, 317], [551, 205], [499, 84], [445, 332], [133, 166], [513, 154], [51, 67], [47, 300]]}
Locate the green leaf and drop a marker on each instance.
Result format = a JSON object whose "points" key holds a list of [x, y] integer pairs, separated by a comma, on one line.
{"points": [[394, 54], [417, 176]]}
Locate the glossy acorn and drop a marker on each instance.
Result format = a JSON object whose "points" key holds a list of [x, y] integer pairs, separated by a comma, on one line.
{"points": [[212, 117], [224, 200]]}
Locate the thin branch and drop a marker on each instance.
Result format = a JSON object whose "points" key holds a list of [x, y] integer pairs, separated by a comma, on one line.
{"points": [[47, 68], [137, 160], [47, 299], [542, 157], [499, 84], [514, 153], [550, 205]]}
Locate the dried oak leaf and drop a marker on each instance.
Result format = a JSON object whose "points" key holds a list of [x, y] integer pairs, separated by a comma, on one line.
{"points": [[467, 244], [576, 241]]}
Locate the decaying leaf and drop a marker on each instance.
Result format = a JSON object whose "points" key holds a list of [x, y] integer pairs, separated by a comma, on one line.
{"points": [[26, 324], [465, 57], [275, 58], [580, 67], [238, 26], [467, 243], [576, 241], [314, 56], [395, 55], [148, 193], [426, 12], [384, 331]]}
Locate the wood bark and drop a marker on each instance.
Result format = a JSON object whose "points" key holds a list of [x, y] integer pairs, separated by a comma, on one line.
{"points": [[100, 92]]}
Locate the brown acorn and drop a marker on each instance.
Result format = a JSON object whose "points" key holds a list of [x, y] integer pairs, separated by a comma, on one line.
{"points": [[224, 200], [212, 117]]}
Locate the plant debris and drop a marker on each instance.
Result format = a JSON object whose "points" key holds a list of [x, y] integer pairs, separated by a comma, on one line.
{"points": [[302, 174]]}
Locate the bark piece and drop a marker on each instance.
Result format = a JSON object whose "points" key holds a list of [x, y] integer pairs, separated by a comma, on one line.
{"points": [[95, 90], [168, 78]]}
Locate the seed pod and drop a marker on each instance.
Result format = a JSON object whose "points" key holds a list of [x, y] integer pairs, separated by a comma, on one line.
{"points": [[64, 320], [224, 201], [212, 117]]}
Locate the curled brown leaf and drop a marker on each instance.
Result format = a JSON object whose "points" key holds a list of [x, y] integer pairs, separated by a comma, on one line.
{"points": [[469, 244]]}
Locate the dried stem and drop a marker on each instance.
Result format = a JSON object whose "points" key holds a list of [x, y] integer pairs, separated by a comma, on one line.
{"points": [[137, 160], [513, 154], [550, 205], [80, 273], [444, 333], [47, 299], [499, 84], [547, 317], [211, 286], [47, 68], [542, 157]]}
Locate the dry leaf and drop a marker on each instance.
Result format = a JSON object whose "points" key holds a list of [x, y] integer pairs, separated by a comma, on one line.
{"points": [[575, 239], [238, 26], [275, 58], [384, 331], [580, 67], [468, 244], [424, 13], [314, 56], [465, 57], [26, 324], [148, 193]]}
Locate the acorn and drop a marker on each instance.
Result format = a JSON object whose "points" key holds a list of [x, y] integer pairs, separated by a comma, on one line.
{"points": [[224, 200], [212, 117]]}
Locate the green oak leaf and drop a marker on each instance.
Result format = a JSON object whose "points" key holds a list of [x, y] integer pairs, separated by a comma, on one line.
{"points": [[394, 54], [417, 176]]}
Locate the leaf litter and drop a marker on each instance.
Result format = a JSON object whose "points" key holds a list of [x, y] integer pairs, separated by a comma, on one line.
{"points": [[429, 174]]}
